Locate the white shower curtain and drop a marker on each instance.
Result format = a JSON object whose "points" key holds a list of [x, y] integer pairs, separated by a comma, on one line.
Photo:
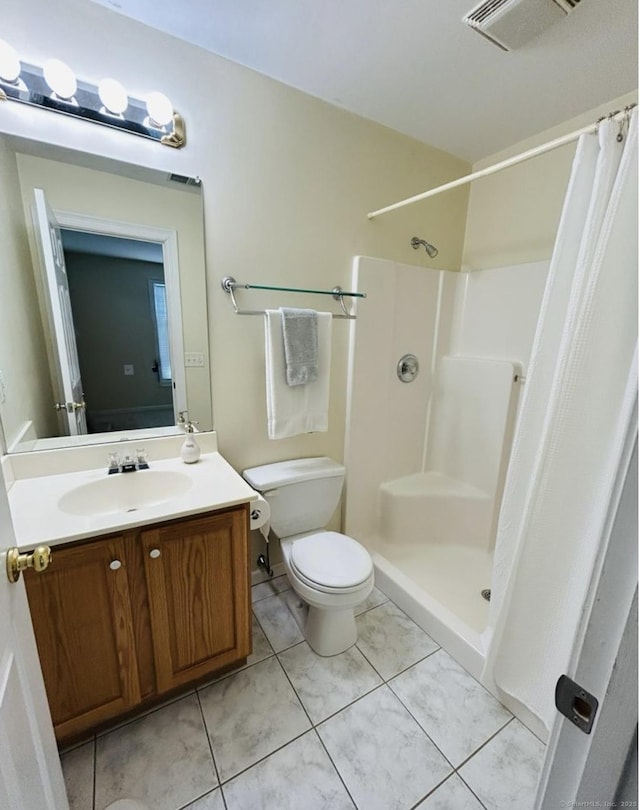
{"points": [[577, 411]]}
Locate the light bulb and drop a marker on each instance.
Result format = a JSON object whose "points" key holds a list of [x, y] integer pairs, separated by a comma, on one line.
{"points": [[9, 62], [113, 96], [60, 78], [160, 108]]}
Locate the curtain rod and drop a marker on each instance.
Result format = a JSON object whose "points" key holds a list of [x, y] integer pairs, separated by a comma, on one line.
{"points": [[505, 164]]}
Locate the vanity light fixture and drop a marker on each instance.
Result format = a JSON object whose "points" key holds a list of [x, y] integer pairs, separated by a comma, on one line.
{"points": [[113, 97], [55, 87], [61, 80]]}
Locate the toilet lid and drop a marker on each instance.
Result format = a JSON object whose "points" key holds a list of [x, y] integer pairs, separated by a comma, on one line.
{"points": [[331, 559]]}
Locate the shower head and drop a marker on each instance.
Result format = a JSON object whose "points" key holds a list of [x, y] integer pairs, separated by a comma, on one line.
{"points": [[432, 250]]}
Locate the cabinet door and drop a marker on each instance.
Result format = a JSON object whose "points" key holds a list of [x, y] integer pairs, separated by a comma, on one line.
{"points": [[198, 589], [82, 621]]}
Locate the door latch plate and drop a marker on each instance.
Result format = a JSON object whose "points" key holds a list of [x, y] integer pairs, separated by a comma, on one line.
{"points": [[574, 702]]}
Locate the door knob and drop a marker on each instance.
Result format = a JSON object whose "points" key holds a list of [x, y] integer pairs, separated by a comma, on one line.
{"points": [[70, 407], [39, 560]]}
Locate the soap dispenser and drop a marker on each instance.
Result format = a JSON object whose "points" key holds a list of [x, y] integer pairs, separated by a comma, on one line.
{"points": [[190, 450]]}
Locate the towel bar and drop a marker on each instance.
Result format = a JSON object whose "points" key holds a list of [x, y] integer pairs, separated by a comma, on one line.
{"points": [[229, 285]]}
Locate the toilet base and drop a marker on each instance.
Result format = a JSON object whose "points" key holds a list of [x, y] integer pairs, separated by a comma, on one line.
{"points": [[330, 632]]}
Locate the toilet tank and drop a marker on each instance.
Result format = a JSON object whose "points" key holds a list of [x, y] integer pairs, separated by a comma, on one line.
{"points": [[302, 493]]}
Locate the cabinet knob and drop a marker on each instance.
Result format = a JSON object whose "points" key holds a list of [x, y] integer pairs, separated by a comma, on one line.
{"points": [[114, 565], [154, 553]]}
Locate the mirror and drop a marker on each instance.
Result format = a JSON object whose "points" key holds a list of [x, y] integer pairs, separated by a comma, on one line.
{"points": [[151, 359]]}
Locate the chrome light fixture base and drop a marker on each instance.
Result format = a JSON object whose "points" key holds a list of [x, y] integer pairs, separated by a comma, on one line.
{"points": [[31, 88]]}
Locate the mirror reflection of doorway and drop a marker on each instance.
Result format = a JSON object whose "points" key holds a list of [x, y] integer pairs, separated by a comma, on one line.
{"points": [[118, 300]]}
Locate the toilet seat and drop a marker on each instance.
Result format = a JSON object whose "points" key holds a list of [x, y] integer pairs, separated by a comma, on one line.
{"points": [[330, 562]]}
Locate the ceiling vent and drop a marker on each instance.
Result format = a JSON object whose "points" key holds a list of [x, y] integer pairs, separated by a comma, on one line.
{"points": [[184, 180], [509, 24]]}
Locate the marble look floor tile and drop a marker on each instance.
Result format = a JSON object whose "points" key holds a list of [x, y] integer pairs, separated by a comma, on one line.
{"points": [[269, 588], [505, 772], [277, 622], [144, 713], [386, 760], [326, 685], [300, 775], [452, 795], [261, 647], [162, 759], [77, 768], [212, 801], [390, 640], [250, 714], [452, 707], [375, 598]]}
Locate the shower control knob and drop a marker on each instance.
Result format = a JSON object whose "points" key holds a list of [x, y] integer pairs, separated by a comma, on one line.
{"points": [[408, 367]]}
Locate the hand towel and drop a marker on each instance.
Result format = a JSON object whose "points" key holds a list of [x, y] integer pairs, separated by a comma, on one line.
{"points": [[300, 334], [292, 410]]}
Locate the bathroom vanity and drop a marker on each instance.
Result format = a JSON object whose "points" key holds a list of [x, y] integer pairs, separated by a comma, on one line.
{"points": [[139, 604]]}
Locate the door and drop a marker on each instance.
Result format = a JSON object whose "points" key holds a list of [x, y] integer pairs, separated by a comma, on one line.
{"points": [[81, 613], [58, 304], [30, 772], [198, 588], [596, 769]]}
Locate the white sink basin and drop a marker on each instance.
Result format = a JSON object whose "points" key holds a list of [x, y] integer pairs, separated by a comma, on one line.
{"points": [[125, 492]]}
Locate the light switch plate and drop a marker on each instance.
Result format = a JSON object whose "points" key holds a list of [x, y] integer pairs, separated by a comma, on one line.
{"points": [[194, 359]]}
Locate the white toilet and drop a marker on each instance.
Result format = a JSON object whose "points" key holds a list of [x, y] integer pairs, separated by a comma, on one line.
{"points": [[331, 572]]}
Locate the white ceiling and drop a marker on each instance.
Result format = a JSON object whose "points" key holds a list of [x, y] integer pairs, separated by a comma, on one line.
{"points": [[412, 65]]}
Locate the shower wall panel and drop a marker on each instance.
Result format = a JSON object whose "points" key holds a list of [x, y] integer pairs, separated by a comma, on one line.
{"points": [[387, 418], [488, 314], [496, 312]]}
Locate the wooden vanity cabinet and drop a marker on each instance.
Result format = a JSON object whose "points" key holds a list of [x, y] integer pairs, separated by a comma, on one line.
{"points": [[197, 585], [81, 613], [123, 619]]}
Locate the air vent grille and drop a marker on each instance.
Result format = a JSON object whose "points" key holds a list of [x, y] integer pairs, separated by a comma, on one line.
{"points": [[484, 10], [509, 24], [184, 180]]}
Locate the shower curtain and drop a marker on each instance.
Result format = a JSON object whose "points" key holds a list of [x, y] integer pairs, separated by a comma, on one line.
{"points": [[576, 425]]}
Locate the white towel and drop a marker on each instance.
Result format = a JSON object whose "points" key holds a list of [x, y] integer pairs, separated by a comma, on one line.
{"points": [[292, 410], [300, 333]]}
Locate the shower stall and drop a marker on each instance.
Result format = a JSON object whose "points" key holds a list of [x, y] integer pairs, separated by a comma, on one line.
{"points": [[437, 364]]}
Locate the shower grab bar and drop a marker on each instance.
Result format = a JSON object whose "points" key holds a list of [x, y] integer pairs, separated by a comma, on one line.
{"points": [[229, 285]]}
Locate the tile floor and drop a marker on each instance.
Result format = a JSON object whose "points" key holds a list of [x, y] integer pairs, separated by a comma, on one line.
{"points": [[392, 724]]}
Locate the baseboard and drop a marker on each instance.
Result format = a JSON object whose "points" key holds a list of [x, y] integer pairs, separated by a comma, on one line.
{"points": [[258, 575]]}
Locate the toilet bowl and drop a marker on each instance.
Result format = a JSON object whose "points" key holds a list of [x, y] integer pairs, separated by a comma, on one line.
{"points": [[330, 572], [329, 594]]}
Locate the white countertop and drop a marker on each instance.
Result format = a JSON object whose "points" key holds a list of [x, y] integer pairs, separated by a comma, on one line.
{"points": [[37, 518]]}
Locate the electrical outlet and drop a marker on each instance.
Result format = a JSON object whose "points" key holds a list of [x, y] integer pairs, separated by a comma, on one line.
{"points": [[128, 370], [3, 389], [194, 359]]}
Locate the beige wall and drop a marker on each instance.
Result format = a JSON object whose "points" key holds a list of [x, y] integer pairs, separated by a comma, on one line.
{"points": [[22, 350], [287, 182], [513, 215]]}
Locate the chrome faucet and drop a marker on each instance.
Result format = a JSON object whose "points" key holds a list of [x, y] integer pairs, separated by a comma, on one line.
{"points": [[188, 425], [127, 464]]}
